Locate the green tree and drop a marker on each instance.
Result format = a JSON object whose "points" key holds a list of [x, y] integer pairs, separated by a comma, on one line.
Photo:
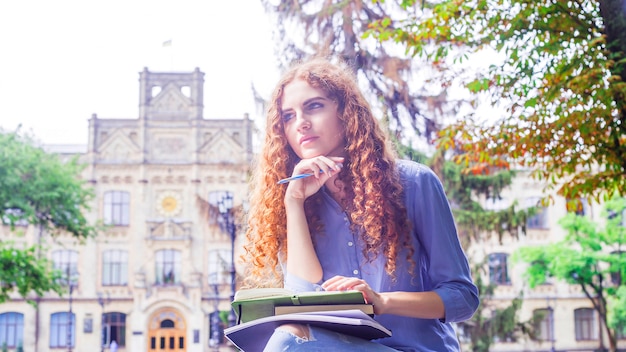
{"points": [[305, 28], [474, 221], [591, 256], [492, 321], [560, 78], [617, 313], [39, 189]]}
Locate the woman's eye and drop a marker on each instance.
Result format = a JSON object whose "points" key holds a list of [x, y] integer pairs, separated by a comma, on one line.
{"points": [[315, 105], [286, 116]]}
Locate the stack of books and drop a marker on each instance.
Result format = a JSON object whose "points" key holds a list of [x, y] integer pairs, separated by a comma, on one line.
{"points": [[260, 311]]}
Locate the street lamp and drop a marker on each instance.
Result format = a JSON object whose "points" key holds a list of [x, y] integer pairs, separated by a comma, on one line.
{"points": [[225, 207], [102, 302], [216, 332], [70, 283], [552, 300]]}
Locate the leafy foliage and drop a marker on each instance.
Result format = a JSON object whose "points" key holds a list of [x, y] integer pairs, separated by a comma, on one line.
{"points": [[617, 311], [474, 221], [22, 269], [491, 321], [591, 256], [337, 28], [559, 70], [39, 189]]}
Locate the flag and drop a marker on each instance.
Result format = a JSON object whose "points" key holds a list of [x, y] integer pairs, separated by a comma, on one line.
{"points": [[167, 42]]}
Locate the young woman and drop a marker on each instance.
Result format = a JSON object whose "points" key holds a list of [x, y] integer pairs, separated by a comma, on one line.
{"points": [[364, 221]]}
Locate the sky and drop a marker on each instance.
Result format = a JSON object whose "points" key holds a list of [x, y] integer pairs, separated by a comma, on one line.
{"points": [[62, 61]]}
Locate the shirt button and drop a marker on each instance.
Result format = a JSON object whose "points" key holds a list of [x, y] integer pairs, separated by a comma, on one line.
{"points": [[350, 244], [355, 272]]}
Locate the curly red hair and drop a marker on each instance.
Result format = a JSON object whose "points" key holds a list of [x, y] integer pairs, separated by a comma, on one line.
{"points": [[375, 193]]}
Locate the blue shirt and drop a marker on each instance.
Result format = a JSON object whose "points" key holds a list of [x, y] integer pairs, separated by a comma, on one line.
{"points": [[442, 266]]}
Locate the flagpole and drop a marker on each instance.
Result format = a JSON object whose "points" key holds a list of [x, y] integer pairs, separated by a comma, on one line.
{"points": [[168, 44]]}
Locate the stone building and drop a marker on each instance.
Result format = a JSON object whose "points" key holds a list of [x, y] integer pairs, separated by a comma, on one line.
{"points": [[162, 268]]}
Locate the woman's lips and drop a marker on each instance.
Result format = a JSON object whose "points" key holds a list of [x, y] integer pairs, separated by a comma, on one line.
{"points": [[307, 140]]}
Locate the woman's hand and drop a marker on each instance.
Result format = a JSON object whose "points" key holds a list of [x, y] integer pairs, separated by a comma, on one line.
{"points": [[343, 283], [323, 168], [303, 261]]}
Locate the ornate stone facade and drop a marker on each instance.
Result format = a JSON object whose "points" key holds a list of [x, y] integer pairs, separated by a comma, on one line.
{"points": [[162, 266]]}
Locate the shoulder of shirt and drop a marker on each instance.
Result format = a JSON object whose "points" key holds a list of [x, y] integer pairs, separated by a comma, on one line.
{"points": [[409, 169]]}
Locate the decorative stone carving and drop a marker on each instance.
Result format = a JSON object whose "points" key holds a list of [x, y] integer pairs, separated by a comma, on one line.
{"points": [[169, 204]]}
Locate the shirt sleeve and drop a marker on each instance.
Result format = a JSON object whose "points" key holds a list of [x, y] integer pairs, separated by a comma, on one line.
{"points": [[447, 268], [296, 283]]}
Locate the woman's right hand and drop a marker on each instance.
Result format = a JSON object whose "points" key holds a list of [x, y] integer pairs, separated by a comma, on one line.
{"points": [[301, 189]]}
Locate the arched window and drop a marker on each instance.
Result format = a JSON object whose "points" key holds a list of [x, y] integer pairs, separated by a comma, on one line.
{"points": [[585, 324], [167, 331], [498, 269], [62, 330], [167, 323], [544, 324], [539, 220], [11, 329], [114, 328]]}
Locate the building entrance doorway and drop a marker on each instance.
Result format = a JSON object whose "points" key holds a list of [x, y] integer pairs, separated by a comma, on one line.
{"points": [[167, 331]]}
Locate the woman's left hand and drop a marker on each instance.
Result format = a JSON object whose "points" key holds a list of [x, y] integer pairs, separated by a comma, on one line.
{"points": [[343, 283]]}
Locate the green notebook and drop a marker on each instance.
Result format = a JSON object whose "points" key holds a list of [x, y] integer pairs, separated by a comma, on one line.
{"points": [[251, 304]]}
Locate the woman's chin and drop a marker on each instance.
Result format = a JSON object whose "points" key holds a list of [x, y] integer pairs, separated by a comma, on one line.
{"points": [[308, 154]]}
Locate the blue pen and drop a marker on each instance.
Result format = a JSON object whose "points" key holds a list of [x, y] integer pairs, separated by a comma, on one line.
{"points": [[299, 176], [295, 177]]}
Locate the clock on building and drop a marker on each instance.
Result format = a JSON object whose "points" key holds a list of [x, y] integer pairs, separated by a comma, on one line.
{"points": [[169, 204]]}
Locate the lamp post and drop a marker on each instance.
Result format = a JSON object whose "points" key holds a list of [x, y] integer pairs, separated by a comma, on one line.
{"points": [[225, 207], [215, 331], [70, 283], [102, 302], [550, 302]]}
